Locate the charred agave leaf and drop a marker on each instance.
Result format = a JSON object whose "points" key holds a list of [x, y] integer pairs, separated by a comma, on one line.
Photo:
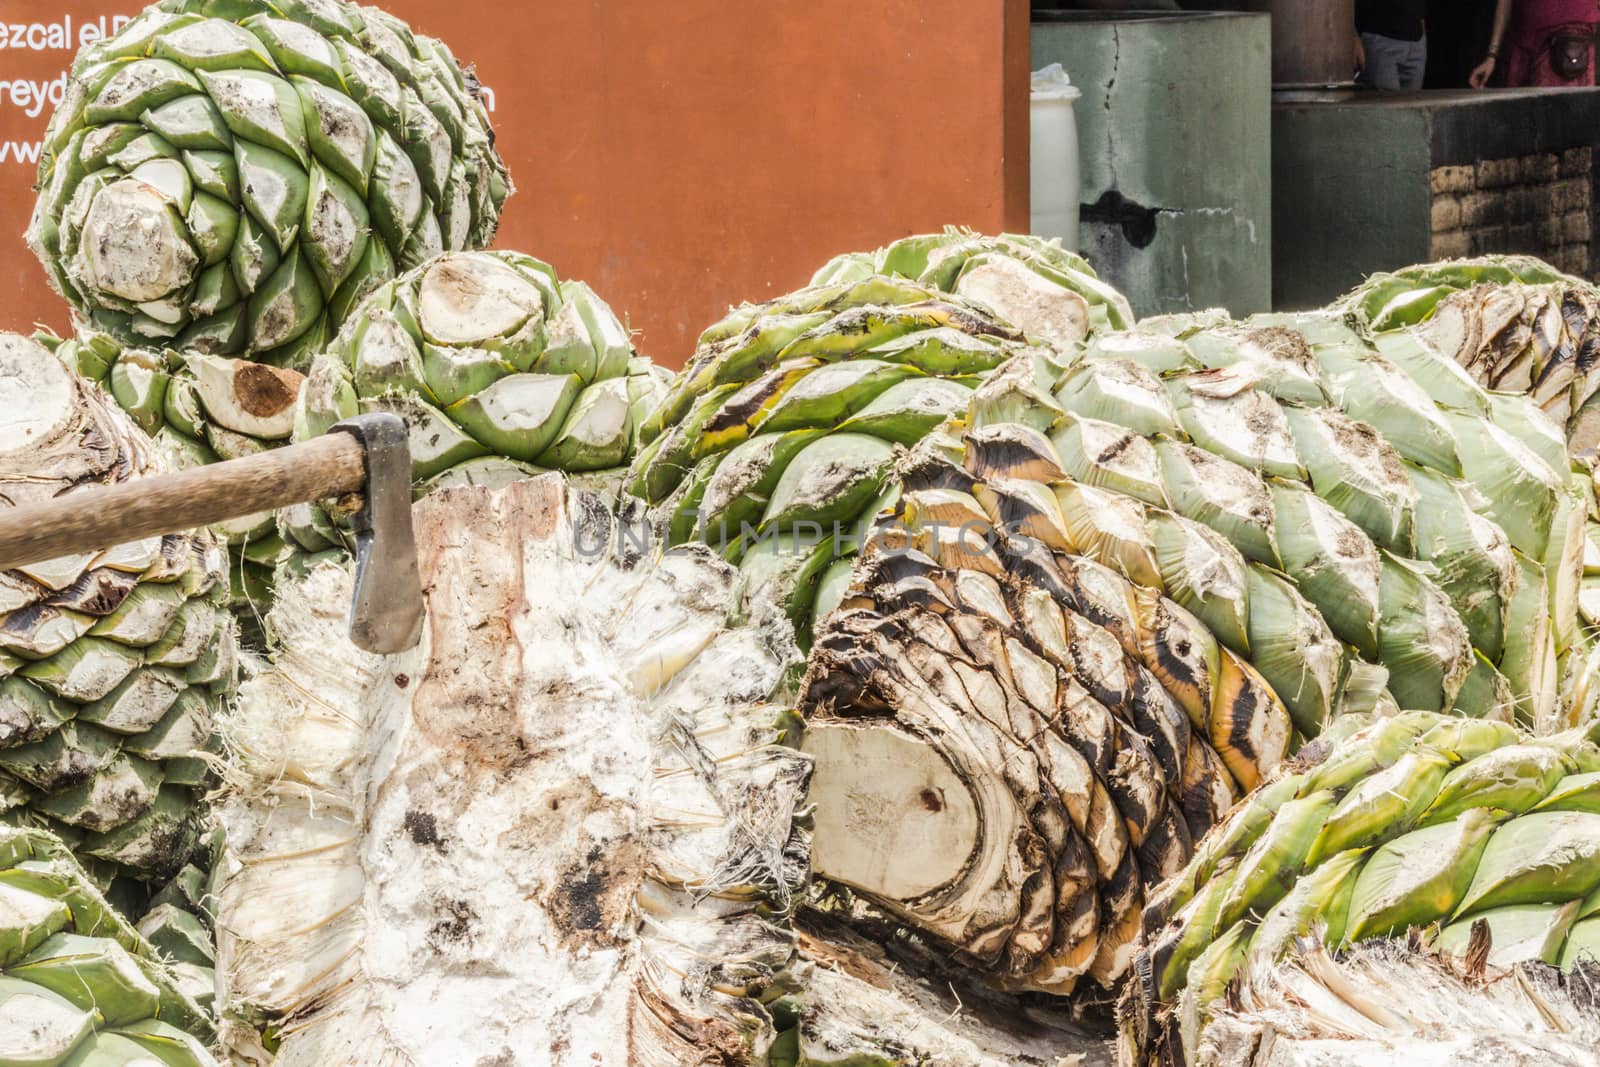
{"points": [[232, 179], [776, 442], [114, 663], [1417, 823]]}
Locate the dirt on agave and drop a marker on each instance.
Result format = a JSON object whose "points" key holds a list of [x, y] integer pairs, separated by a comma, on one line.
{"points": [[265, 391]]}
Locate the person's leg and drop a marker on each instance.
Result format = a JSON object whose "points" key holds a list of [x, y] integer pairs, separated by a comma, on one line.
{"points": [[1413, 65], [1383, 62]]}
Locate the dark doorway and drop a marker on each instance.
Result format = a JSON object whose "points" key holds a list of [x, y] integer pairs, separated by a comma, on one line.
{"points": [[1458, 35]]}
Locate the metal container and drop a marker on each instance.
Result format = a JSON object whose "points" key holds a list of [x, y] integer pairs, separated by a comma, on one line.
{"points": [[1313, 42]]}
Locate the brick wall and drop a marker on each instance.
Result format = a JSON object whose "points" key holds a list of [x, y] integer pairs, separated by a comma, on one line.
{"points": [[1537, 204]]}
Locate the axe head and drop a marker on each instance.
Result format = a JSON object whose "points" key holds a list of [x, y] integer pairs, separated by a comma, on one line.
{"points": [[386, 615]]}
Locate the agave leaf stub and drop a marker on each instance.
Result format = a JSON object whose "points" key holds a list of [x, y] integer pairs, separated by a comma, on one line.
{"points": [[1521, 490], [1475, 563], [909, 410], [1223, 496], [41, 1026], [1333, 562], [1204, 573], [1382, 806], [467, 300], [139, 255], [1321, 898], [1518, 933], [1294, 650], [520, 415], [1153, 351], [1105, 455], [1276, 856], [248, 398], [1512, 778], [829, 481], [1278, 357], [1421, 639], [1356, 471], [1540, 858], [1223, 414], [1368, 387], [1018, 294], [1443, 379], [1418, 878], [1119, 391]]}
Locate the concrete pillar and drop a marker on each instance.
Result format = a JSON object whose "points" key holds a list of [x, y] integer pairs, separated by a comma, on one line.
{"points": [[1173, 134]]}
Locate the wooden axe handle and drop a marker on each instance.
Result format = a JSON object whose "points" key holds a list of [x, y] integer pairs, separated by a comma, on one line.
{"points": [[91, 519]]}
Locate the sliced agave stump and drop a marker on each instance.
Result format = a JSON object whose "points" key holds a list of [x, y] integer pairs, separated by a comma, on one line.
{"points": [[566, 821]]}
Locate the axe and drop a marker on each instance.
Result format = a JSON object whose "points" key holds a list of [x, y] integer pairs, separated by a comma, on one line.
{"points": [[367, 454]]}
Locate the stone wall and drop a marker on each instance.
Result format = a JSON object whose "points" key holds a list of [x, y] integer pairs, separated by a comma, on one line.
{"points": [[1536, 204]]}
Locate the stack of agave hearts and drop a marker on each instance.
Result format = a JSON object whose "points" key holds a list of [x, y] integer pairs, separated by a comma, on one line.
{"points": [[114, 664], [223, 184], [1130, 583]]}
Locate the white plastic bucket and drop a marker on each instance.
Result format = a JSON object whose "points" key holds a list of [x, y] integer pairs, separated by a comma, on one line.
{"points": [[1053, 178]]}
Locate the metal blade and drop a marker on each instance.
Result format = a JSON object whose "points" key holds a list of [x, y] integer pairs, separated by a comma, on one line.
{"points": [[386, 614]]}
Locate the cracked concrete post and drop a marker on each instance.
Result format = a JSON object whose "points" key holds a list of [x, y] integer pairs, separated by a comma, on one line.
{"points": [[1174, 145]]}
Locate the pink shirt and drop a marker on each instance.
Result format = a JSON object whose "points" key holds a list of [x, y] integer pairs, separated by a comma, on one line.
{"points": [[1523, 58], [1539, 17]]}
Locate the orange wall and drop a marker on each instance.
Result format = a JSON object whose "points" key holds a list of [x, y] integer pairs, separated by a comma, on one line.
{"points": [[686, 155]]}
